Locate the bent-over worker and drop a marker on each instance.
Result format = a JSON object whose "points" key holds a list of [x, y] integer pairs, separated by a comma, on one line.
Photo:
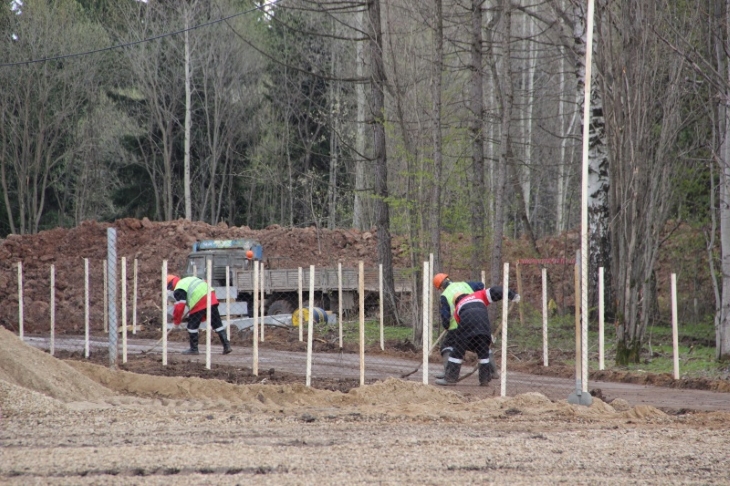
{"points": [[193, 293]]}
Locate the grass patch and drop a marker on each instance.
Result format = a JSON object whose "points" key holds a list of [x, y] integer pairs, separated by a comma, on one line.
{"points": [[696, 345], [351, 332]]}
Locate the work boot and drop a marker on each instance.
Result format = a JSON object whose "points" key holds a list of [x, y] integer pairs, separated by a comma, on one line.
{"points": [[451, 374], [224, 340], [445, 355], [194, 336], [485, 373]]}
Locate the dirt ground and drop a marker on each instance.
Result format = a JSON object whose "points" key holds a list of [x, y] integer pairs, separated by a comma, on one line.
{"points": [[75, 422]]}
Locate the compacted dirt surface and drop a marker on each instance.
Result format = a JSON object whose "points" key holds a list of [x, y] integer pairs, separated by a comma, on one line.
{"points": [[76, 422], [66, 419]]}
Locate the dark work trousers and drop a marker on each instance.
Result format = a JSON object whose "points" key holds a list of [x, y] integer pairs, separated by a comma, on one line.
{"points": [[196, 318]]}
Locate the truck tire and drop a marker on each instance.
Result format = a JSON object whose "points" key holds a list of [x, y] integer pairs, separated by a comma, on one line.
{"points": [[280, 307]]}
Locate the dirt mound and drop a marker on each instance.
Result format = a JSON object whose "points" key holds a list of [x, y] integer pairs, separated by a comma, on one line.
{"points": [[18, 401], [27, 367], [150, 243]]}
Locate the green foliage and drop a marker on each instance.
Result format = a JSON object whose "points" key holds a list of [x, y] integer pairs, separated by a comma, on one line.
{"points": [[696, 347], [351, 332]]}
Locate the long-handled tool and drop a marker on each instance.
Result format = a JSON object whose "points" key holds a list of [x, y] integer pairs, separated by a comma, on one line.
{"points": [[168, 335], [438, 340], [158, 342]]}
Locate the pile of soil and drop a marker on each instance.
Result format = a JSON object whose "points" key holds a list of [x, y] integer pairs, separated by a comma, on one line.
{"points": [[150, 243]]}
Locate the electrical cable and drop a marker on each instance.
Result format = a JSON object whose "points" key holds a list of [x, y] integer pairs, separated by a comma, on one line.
{"points": [[142, 41]]}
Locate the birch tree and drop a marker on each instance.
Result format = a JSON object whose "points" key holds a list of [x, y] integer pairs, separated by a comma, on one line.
{"points": [[643, 99]]}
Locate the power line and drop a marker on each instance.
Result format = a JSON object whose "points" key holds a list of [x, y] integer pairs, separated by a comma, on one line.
{"points": [[149, 39]]}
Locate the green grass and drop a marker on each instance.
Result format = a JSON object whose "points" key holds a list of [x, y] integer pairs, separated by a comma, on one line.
{"points": [[696, 348], [351, 332]]}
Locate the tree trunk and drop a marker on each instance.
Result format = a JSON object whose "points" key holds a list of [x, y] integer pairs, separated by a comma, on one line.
{"points": [[506, 118], [361, 206], [435, 219], [382, 214], [477, 141], [722, 331]]}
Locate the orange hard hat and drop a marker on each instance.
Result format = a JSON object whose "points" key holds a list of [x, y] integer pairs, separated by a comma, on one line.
{"points": [[172, 280], [249, 254], [438, 280]]}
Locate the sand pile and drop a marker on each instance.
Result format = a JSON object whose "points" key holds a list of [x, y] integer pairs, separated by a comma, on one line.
{"points": [[30, 368], [32, 381]]}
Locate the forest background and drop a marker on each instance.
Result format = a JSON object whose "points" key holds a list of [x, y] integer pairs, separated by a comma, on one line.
{"points": [[421, 119]]}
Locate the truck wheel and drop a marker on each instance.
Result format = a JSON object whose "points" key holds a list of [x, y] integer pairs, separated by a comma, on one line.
{"points": [[280, 307]]}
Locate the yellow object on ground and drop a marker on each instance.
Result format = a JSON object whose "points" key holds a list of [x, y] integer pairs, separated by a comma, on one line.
{"points": [[318, 315]]}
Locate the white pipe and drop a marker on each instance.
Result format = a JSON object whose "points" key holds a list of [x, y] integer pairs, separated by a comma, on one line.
{"points": [[544, 318], [263, 300], [124, 310], [601, 324], [228, 302], [53, 308], [255, 366], [426, 340], [208, 311], [584, 204], [301, 304], [380, 298], [164, 312], [134, 300], [505, 311], [675, 331], [106, 299], [310, 325], [339, 299], [361, 292], [20, 300], [86, 308], [430, 300]]}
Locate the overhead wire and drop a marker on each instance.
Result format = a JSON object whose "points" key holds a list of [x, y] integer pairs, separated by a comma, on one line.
{"points": [[142, 41]]}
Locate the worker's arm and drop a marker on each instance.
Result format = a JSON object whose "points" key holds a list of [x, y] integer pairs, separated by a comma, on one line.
{"points": [[496, 293], [445, 312], [178, 310]]}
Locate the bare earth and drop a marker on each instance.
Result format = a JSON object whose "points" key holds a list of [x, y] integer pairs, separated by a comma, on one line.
{"points": [[75, 422]]}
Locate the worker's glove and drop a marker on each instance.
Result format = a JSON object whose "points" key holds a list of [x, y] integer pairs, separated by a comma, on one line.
{"points": [[516, 298]]}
